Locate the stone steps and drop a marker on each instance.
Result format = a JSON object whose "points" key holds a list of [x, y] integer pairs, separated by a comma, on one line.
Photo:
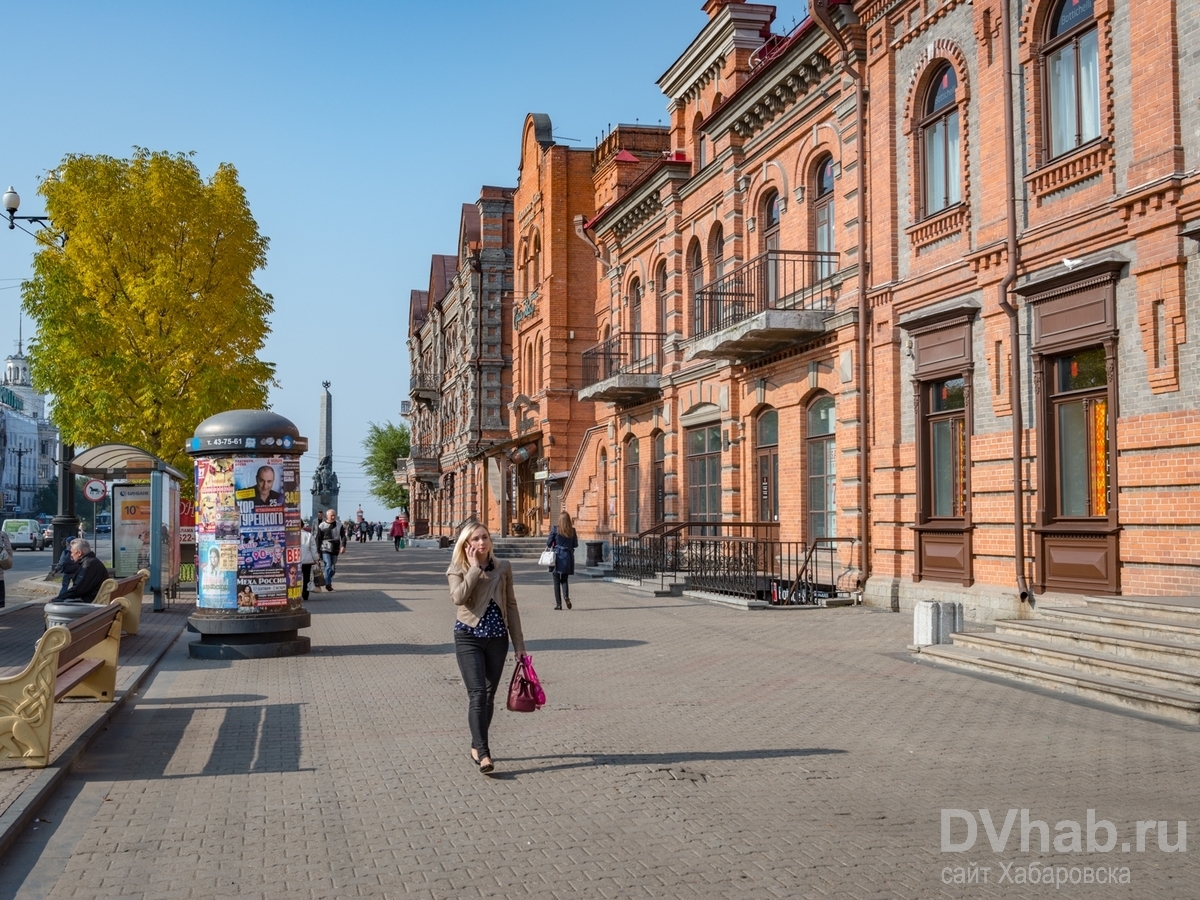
{"points": [[1138, 653], [518, 547]]}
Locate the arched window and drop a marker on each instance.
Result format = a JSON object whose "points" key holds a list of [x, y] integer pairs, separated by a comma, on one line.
{"points": [[528, 386], [536, 274], [767, 441], [822, 213], [633, 479], [698, 143], [660, 291], [602, 476], [696, 277], [635, 306], [822, 470], [1071, 63], [769, 216], [524, 258], [940, 155], [660, 478], [541, 371], [717, 252]]}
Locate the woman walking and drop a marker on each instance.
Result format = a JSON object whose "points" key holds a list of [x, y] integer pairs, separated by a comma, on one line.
{"points": [[563, 542], [481, 587]]}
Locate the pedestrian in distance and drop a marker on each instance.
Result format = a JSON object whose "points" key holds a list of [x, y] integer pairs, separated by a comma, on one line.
{"points": [[308, 556], [563, 541], [6, 561], [330, 544], [486, 618], [397, 532]]}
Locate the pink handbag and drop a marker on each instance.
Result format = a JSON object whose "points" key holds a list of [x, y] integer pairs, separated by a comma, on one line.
{"points": [[538, 694]]}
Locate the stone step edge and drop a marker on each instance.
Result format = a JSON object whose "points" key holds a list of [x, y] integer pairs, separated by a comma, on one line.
{"points": [[1098, 683], [1000, 643], [1119, 621], [1141, 642]]}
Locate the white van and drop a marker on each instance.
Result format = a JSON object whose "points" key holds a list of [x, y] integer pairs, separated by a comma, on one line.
{"points": [[25, 533]]}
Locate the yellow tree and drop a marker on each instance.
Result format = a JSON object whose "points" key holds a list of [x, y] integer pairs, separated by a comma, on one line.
{"points": [[148, 317]]}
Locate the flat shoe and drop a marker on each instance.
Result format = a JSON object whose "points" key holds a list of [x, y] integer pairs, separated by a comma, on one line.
{"points": [[486, 767], [567, 600]]}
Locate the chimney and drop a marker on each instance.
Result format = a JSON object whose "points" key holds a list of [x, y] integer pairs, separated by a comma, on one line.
{"points": [[712, 7]]}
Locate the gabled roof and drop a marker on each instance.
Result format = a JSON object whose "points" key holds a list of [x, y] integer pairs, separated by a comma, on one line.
{"points": [[418, 309], [468, 227], [442, 270]]}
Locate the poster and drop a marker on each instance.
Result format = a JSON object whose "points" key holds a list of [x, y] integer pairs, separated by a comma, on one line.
{"points": [[131, 529], [216, 565], [216, 511]]}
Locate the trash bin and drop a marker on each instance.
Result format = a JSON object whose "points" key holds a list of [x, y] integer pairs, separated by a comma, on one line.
{"points": [[595, 553], [66, 613], [248, 580]]}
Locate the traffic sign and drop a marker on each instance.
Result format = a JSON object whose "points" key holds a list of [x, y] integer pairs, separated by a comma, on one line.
{"points": [[95, 490]]}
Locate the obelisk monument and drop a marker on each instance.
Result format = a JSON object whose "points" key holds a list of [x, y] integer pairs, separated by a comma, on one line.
{"points": [[325, 480]]}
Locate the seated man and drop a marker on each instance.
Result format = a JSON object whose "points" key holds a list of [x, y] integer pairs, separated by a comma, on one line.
{"points": [[92, 573]]}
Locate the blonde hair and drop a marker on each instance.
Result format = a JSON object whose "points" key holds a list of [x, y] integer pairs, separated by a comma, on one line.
{"points": [[459, 556], [565, 528]]}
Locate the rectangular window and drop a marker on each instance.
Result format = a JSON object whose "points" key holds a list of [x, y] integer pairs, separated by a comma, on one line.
{"points": [[1080, 404], [704, 473], [947, 448]]}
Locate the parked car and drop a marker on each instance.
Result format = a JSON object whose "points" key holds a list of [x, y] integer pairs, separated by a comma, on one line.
{"points": [[47, 535], [25, 533]]}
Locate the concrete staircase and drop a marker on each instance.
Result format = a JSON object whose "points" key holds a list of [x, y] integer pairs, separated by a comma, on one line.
{"points": [[1140, 653], [518, 547]]}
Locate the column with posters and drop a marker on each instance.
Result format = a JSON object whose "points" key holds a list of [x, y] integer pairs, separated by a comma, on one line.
{"points": [[216, 534], [267, 493]]}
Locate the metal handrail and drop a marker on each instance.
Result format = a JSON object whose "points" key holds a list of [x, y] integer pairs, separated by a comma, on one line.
{"points": [[625, 353], [776, 279]]}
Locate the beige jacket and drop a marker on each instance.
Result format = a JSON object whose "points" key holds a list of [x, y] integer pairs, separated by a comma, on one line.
{"points": [[472, 589]]}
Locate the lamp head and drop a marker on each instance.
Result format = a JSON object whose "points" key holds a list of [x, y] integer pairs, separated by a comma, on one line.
{"points": [[12, 201]]}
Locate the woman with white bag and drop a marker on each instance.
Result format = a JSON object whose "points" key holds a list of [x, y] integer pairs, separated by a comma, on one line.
{"points": [[562, 543]]}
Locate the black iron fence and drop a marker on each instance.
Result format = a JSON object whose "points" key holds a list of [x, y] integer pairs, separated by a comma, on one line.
{"points": [[778, 279], [630, 353], [738, 559]]}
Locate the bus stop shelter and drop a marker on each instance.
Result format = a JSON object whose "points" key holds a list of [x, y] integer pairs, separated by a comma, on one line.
{"points": [[122, 462]]}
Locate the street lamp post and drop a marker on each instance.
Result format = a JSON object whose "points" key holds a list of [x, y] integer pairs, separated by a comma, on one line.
{"points": [[66, 524]]}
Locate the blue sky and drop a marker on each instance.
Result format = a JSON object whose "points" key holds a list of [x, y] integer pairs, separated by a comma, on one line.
{"points": [[358, 129]]}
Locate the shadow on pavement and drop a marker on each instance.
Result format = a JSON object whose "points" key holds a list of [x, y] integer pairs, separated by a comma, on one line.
{"points": [[200, 701], [547, 645], [592, 760]]}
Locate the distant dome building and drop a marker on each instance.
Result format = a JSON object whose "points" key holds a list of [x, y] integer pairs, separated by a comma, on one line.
{"points": [[29, 443]]}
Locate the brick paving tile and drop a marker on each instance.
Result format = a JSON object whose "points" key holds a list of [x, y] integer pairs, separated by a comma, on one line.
{"points": [[687, 750]]}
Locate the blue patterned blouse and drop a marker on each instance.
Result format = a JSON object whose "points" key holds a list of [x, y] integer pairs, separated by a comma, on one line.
{"points": [[491, 624]]}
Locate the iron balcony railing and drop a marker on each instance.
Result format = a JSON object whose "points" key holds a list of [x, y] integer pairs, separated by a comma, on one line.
{"points": [[778, 279], [422, 451], [424, 382], [630, 353]]}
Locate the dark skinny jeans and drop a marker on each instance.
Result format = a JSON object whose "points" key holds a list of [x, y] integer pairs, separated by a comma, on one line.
{"points": [[481, 662], [561, 588]]}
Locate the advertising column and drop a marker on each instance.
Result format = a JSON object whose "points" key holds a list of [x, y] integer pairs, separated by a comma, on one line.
{"points": [[247, 465]]}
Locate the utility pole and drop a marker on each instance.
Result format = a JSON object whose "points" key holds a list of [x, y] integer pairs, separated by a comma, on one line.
{"points": [[20, 456]]}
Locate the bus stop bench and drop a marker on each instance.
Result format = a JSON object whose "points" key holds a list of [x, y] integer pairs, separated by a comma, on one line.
{"points": [[78, 660], [128, 591]]}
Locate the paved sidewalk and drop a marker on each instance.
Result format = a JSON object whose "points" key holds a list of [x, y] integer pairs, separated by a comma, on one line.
{"points": [[76, 722], [687, 750]]}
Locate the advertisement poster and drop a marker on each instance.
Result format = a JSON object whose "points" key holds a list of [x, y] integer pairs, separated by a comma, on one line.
{"points": [[259, 486], [216, 565], [131, 529], [216, 511]]}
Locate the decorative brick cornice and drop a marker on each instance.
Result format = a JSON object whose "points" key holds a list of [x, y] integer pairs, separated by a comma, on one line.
{"points": [[641, 213], [778, 95], [1069, 170], [947, 223]]}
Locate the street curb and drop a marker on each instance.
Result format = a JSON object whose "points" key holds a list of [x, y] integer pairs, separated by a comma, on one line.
{"points": [[38, 585], [20, 814]]}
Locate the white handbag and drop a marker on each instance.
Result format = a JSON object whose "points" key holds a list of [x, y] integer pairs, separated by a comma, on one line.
{"points": [[547, 558]]}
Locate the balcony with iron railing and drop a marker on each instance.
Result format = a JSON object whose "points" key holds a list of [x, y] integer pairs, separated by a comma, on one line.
{"points": [[421, 464], [764, 305], [624, 369], [424, 388]]}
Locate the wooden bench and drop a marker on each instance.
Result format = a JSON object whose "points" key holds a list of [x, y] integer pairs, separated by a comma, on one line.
{"points": [[128, 591], [76, 660]]}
